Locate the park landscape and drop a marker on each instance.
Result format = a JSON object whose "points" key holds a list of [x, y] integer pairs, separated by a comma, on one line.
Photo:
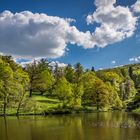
{"points": [[79, 103], [38, 88], [70, 69]]}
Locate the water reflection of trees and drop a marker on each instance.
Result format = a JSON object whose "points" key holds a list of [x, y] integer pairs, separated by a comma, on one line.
{"points": [[92, 126], [3, 128]]}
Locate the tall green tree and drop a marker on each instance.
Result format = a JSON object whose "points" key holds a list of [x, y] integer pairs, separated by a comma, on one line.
{"points": [[43, 64], [6, 80], [69, 73], [78, 91], [101, 95], [44, 81], [130, 71], [21, 82], [88, 80], [58, 72], [113, 78], [93, 69], [78, 71], [96, 92], [32, 71], [9, 60], [128, 90], [63, 90]]}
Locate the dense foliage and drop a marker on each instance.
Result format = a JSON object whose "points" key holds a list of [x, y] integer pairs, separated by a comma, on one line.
{"points": [[70, 87]]}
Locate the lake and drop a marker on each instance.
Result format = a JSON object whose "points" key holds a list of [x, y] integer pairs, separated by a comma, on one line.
{"points": [[91, 126]]}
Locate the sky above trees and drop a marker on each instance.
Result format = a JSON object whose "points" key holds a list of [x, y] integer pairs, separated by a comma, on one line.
{"points": [[103, 33]]}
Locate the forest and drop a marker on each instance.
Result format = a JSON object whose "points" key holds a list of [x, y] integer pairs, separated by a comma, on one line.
{"points": [[40, 89]]}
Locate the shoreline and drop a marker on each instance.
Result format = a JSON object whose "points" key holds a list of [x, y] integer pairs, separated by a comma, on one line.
{"points": [[66, 113]]}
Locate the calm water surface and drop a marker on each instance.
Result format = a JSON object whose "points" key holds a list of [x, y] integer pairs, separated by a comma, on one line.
{"points": [[94, 126]]}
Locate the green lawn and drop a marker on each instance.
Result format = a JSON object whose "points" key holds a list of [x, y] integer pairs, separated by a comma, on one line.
{"points": [[137, 111], [42, 103], [46, 102]]}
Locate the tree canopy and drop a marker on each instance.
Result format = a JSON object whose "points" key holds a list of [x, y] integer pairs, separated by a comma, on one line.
{"points": [[72, 86]]}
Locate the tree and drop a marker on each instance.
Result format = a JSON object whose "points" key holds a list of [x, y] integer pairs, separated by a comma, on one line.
{"points": [[9, 60], [114, 99], [87, 79], [44, 81], [124, 72], [95, 91], [6, 80], [69, 73], [21, 82], [136, 78], [128, 90], [78, 71], [130, 71], [101, 95], [113, 78], [93, 69], [41, 78], [58, 72], [43, 64], [32, 70], [78, 91], [63, 90]]}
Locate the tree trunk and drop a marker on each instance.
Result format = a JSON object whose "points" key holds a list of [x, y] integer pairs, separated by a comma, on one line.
{"points": [[18, 110], [97, 106], [41, 93], [5, 104], [19, 105], [97, 101], [30, 93], [6, 128]]}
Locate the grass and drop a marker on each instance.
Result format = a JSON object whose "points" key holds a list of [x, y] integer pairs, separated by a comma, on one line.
{"points": [[44, 99], [136, 111], [44, 104]]}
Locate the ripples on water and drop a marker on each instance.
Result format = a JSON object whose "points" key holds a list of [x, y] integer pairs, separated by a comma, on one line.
{"points": [[94, 126]]}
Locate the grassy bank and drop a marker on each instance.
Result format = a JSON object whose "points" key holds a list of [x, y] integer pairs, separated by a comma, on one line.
{"points": [[136, 111], [45, 105]]}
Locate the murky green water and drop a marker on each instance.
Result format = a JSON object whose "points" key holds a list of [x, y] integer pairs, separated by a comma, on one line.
{"points": [[94, 126]]}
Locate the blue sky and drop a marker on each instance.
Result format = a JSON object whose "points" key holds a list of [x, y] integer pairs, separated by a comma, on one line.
{"points": [[121, 52]]}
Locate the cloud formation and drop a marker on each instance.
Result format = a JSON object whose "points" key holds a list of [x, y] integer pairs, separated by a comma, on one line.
{"points": [[23, 63], [38, 35], [32, 35], [135, 59], [59, 64], [116, 22], [136, 6], [113, 62]]}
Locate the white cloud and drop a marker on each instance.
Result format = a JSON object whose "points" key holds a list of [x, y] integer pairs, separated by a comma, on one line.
{"points": [[104, 3], [113, 62], [30, 35], [100, 68], [23, 63], [136, 6], [116, 23], [118, 66], [135, 59], [53, 64]]}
